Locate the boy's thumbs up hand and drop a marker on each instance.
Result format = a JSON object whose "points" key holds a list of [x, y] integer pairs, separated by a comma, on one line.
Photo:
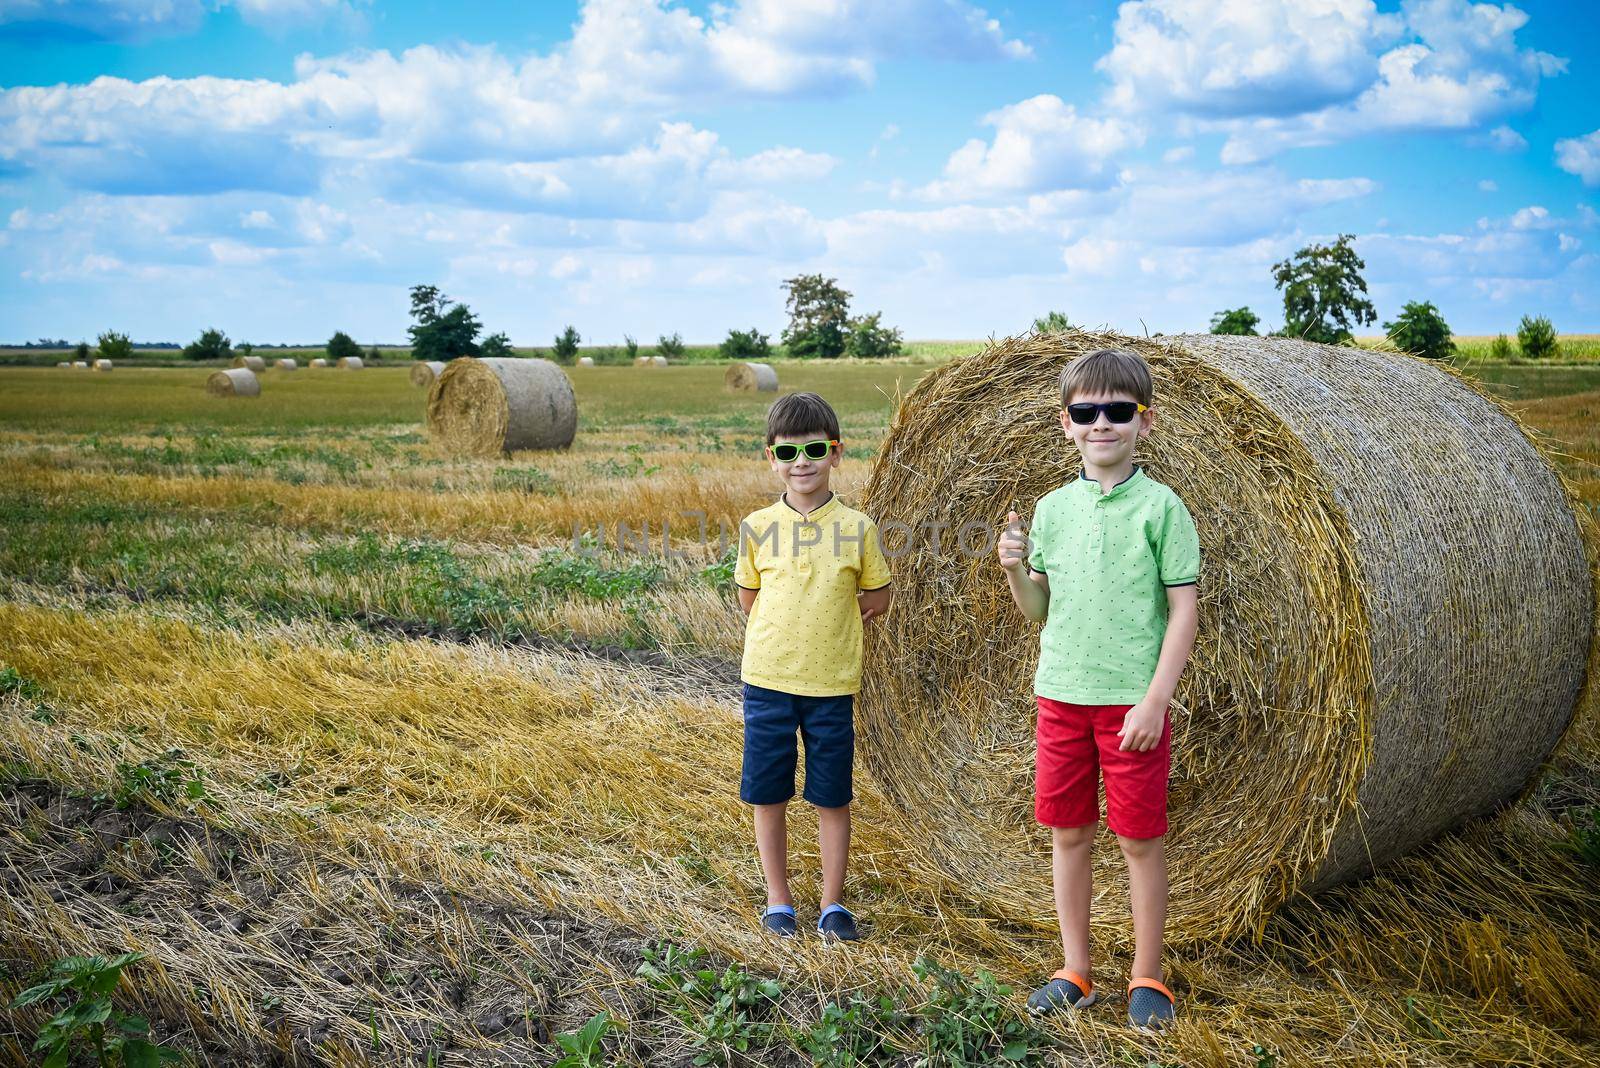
{"points": [[1013, 545]]}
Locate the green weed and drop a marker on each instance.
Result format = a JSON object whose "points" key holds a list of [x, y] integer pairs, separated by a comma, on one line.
{"points": [[90, 1021], [1583, 840], [966, 1021], [585, 1047], [720, 1011], [165, 779]]}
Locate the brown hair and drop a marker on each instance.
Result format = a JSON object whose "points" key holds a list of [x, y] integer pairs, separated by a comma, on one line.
{"points": [[1108, 371], [796, 414]]}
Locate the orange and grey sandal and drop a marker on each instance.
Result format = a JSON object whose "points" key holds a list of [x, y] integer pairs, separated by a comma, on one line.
{"points": [[1065, 990], [1150, 1005]]}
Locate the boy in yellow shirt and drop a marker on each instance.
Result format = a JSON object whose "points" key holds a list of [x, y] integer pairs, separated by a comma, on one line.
{"points": [[810, 572]]}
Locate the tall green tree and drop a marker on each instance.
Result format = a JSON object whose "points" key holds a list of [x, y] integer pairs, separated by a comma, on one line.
{"points": [[1421, 331], [442, 330], [567, 344], [869, 339], [819, 316], [670, 347], [1323, 292], [749, 344], [1536, 338], [212, 344], [1241, 322], [342, 346], [495, 345], [114, 346], [1053, 323]]}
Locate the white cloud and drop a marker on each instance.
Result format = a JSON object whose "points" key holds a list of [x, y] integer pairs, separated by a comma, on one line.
{"points": [[1179, 154], [1039, 144], [1533, 217], [1488, 185], [1278, 74], [1580, 156], [1243, 57]]}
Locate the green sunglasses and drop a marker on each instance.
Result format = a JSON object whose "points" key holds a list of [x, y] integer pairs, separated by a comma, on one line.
{"points": [[786, 452]]}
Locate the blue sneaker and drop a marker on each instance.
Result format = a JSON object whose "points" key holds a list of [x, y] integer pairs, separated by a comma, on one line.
{"points": [[837, 924], [1150, 1006], [779, 920]]}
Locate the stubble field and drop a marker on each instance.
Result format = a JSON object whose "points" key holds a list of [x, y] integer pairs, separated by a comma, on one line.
{"points": [[385, 756]]}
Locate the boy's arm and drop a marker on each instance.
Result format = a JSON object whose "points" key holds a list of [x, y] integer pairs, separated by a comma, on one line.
{"points": [[875, 603], [1142, 727], [1030, 589], [747, 599]]}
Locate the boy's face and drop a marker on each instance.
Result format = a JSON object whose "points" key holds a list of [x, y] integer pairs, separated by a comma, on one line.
{"points": [[1102, 442], [803, 474]]}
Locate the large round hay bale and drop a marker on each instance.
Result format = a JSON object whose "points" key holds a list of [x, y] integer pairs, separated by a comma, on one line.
{"points": [[751, 378], [234, 382], [499, 405], [658, 361], [102, 364], [585, 361], [254, 363], [424, 373], [1396, 614], [351, 363], [287, 363], [80, 365], [65, 363], [319, 362]]}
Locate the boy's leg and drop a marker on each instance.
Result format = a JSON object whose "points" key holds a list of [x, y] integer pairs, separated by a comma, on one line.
{"points": [[1066, 799], [1147, 893], [767, 781], [1072, 867], [772, 843], [833, 840]]}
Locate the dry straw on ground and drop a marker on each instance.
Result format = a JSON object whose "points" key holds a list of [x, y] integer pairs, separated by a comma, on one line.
{"points": [[235, 382], [351, 363], [287, 363], [751, 378], [318, 362], [254, 363], [493, 406], [1396, 611], [102, 365], [423, 374]]}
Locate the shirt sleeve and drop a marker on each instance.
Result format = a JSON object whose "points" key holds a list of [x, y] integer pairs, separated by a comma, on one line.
{"points": [[744, 565], [1178, 546], [874, 565], [1036, 534]]}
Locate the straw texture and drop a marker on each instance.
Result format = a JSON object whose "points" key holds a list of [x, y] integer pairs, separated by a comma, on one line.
{"points": [[234, 382], [500, 405], [423, 374], [287, 363], [254, 363], [751, 378], [1373, 665], [351, 363]]}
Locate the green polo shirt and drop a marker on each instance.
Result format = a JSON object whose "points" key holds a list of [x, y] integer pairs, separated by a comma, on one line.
{"points": [[1110, 557], [804, 632]]}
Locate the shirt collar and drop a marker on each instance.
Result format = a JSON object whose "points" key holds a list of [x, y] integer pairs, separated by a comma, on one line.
{"points": [[816, 513], [1094, 487]]}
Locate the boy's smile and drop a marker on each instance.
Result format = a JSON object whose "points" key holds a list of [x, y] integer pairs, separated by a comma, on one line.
{"points": [[806, 479]]}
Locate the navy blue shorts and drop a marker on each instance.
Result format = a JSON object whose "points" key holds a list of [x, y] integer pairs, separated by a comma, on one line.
{"points": [[827, 724]]}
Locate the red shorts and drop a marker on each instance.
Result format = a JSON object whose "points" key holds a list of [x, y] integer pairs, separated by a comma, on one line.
{"points": [[1078, 743]]}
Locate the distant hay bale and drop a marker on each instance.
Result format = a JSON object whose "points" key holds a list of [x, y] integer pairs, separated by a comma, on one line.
{"points": [[751, 378], [234, 382], [254, 363], [80, 365], [424, 373], [102, 364], [499, 405], [65, 363], [287, 364], [1375, 663], [585, 361], [318, 363], [351, 363], [649, 361]]}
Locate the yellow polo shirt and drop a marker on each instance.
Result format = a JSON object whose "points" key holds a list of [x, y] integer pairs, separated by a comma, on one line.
{"points": [[804, 632]]}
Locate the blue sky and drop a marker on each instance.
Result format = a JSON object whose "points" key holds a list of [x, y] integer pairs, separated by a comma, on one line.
{"points": [[285, 168]]}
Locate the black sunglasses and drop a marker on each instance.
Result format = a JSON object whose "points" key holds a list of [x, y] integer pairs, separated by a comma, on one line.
{"points": [[1083, 413]]}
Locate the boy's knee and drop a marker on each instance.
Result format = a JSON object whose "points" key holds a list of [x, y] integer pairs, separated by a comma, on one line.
{"points": [[1074, 837], [1140, 848]]}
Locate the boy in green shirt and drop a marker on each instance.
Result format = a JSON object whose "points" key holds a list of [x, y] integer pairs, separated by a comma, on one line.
{"points": [[810, 572], [1110, 570]]}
